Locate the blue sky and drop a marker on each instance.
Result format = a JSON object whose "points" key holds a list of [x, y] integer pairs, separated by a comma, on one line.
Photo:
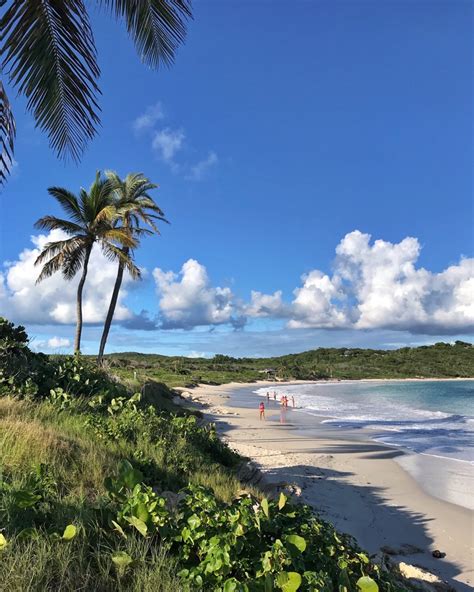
{"points": [[276, 135]]}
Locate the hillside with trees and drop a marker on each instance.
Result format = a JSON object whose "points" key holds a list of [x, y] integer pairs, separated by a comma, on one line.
{"points": [[442, 360]]}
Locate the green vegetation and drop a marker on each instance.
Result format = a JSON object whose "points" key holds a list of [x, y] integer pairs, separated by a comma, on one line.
{"points": [[102, 489], [441, 360]]}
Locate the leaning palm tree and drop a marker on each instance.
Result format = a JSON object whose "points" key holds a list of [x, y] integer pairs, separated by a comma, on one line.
{"points": [[48, 54], [134, 206], [91, 220]]}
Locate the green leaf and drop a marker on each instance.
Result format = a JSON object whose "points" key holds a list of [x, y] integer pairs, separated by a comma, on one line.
{"points": [[194, 521], [69, 532], [289, 581], [128, 475], [141, 512], [297, 541], [138, 524], [367, 584], [265, 507], [122, 560], [230, 585], [282, 501], [119, 529], [3, 542]]}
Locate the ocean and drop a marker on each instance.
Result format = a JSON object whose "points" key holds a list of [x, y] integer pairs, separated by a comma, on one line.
{"points": [[428, 417]]}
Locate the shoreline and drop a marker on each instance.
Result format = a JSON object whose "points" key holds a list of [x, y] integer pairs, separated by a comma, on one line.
{"points": [[356, 483]]}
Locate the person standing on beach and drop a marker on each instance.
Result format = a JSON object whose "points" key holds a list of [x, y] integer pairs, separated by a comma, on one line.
{"points": [[268, 396], [274, 396], [293, 401], [262, 410]]}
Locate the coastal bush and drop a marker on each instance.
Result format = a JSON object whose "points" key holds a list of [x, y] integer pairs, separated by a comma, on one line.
{"points": [[100, 490]]}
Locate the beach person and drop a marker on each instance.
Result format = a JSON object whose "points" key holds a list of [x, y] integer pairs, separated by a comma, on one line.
{"points": [[274, 396], [268, 396], [262, 410], [293, 401]]}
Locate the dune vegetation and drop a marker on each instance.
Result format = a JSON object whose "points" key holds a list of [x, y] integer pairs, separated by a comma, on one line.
{"points": [[105, 489]]}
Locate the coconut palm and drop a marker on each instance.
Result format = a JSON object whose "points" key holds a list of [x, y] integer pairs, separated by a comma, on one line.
{"points": [[91, 220], [134, 206], [48, 54]]}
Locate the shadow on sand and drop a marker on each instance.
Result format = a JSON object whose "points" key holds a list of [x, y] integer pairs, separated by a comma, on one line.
{"points": [[363, 511]]}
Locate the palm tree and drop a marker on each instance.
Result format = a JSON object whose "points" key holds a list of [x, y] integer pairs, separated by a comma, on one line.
{"points": [[91, 216], [133, 206], [48, 54]]}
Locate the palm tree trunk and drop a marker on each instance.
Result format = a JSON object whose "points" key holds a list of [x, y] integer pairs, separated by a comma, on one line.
{"points": [[80, 287], [112, 305]]}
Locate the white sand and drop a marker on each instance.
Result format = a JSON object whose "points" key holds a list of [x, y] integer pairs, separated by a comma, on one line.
{"points": [[356, 484]]}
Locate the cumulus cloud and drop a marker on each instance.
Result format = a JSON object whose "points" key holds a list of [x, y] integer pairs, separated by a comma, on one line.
{"points": [[167, 143], [373, 286], [199, 170], [147, 120], [188, 300], [54, 299], [266, 305], [378, 286]]}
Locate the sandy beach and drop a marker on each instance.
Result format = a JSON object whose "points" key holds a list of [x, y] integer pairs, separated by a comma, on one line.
{"points": [[356, 483]]}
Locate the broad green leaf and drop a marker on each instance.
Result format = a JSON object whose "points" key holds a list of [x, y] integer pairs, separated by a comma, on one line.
{"points": [[297, 541], [141, 512], [231, 585], [69, 532], [194, 521], [121, 559], [367, 584], [265, 507], [289, 581], [3, 542], [128, 475], [363, 557], [138, 524], [282, 501]]}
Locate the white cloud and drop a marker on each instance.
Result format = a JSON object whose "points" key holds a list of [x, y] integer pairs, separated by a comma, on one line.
{"points": [[188, 300], [374, 286], [378, 286], [314, 303], [58, 342], [266, 305], [167, 143], [147, 120], [198, 171], [54, 299]]}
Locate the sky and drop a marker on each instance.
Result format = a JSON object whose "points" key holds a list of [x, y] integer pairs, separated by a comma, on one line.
{"points": [[316, 169]]}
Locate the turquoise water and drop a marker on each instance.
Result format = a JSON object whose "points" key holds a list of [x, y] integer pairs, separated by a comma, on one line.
{"points": [[429, 417]]}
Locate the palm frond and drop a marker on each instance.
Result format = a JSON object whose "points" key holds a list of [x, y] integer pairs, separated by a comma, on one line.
{"points": [[52, 249], [50, 57], [50, 267], [73, 262], [121, 236], [113, 253], [53, 223], [69, 203], [157, 27], [7, 135]]}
